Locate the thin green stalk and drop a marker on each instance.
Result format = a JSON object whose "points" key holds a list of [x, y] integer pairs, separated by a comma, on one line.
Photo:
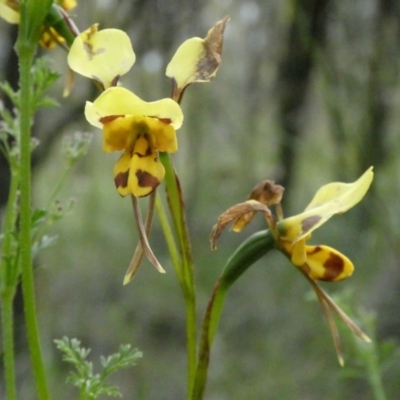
{"points": [[169, 237], [8, 277], [8, 280], [185, 273], [26, 55], [7, 320]]}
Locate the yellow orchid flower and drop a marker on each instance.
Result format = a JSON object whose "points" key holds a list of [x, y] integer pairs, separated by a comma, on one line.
{"points": [[291, 235], [321, 262], [139, 128], [102, 55]]}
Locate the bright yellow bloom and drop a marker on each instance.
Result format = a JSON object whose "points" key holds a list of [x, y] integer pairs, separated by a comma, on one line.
{"points": [[139, 128], [321, 262], [102, 55]]}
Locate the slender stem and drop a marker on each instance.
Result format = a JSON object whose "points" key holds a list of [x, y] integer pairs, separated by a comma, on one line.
{"points": [[8, 280], [169, 237], [26, 54], [8, 276], [185, 273], [7, 320]]}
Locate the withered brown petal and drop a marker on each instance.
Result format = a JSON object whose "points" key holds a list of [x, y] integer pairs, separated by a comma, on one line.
{"points": [[267, 192], [233, 213]]}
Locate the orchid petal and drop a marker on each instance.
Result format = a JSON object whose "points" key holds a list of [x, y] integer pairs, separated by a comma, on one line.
{"points": [[118, 101], [331, 199], [327, 264], [102, 55]]}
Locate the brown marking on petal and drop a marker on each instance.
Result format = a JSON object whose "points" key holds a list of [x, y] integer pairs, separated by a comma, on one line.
{"points": [[149, 149], [89, 48], [163, 120], [145, 179], [309, 223], [334, 266], [121, 179], [316, 250], [109, 118]]}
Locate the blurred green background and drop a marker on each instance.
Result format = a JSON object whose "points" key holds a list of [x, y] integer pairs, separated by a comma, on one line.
{"points": [[307, 93]]}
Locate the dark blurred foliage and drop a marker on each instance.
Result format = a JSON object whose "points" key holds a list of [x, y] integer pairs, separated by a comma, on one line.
{"points": [[307, 93]]}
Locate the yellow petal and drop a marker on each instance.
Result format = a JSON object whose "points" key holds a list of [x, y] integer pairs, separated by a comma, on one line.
{"points": [[146, 172], [121, 132], [327, 264], [197, 60], [120, 101], [9, 11], [139, 173], [298, 254], [164, 135], [121, 173], [331, 199], [183, 66], [101, 55]]}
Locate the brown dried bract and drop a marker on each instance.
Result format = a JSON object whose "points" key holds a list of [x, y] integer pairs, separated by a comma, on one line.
{"points": [[266, 192], [233, 213], [213, 44]]}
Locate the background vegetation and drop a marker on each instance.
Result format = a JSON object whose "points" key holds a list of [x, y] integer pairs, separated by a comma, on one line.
{"points": [[307, 93]]}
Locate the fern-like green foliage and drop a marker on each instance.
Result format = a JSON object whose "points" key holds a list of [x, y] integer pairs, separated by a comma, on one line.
{"points": [[92, 384]]}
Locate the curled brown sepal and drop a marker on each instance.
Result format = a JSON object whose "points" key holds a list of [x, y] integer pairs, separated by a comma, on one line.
{"points": [[197, 60], [266, 192], [144, 244], [236, 212]]}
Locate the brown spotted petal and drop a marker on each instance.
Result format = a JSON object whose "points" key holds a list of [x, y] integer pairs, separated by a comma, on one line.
{"points": [[138, 171], [266, 192], [327, 264], [235, 212], [197, 60]]}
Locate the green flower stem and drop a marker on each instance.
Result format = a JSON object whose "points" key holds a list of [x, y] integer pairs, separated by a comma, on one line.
{"points": [[7, 320], [169, 237], [185, 272], [8, 281], [244, 256], [31, 19], [8, 275]]}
